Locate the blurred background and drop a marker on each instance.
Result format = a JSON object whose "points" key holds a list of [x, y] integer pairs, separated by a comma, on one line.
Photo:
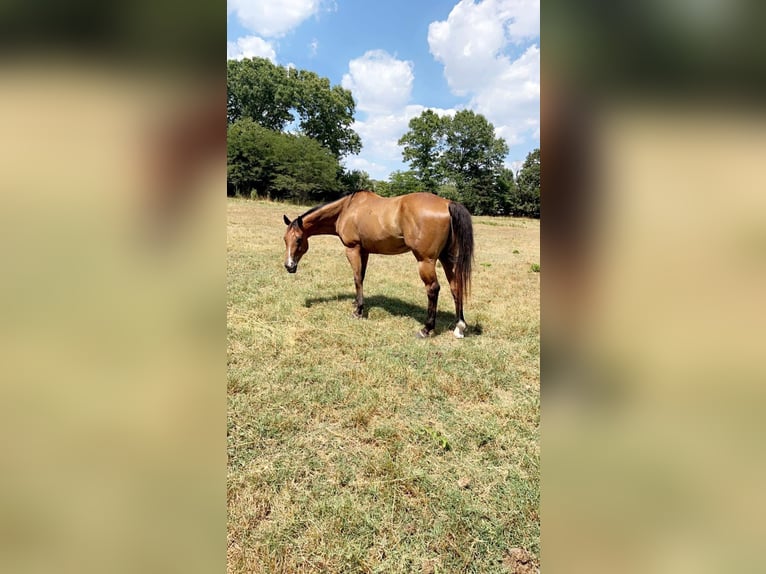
{"points": [[112, 403], [654, 258]]}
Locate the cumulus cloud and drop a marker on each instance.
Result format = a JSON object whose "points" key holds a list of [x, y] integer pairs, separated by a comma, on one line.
{"points": [[381, 132], [272, 19], [250, 47], [472, 45], [382, 86], [511, 101], [522, 17], [373, 169], [467, 43], [379, 82]]}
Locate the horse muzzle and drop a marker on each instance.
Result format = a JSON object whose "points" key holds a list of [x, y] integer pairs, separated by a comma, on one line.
{"points": [[291, 268]]}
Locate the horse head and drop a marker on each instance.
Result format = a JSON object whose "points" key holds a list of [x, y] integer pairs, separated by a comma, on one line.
{"points": [[296, 243]]}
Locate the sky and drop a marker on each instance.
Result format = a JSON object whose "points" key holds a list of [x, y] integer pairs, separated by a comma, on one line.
{"points": [[400, 57]]}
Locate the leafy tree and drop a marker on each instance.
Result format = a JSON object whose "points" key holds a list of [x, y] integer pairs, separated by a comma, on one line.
{"points": [[459, 158], [326, 113], [250, 157], [265, 163], [259, 90], [382, 188], [277, 97], [449, 191], [403, 182], [506, 191], [528, 202], [355, 180], [423, 148], [473, 159]]}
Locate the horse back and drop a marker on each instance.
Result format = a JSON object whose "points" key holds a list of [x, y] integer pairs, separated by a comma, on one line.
{"points": [[419, 222]]}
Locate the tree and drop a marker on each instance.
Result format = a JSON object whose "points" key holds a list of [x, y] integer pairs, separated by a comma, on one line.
{"points": [[277, 98], [265, 163], [507, 192], [326, 113], [249, 161], [473, 159], [403, 182], [459, 158], [423, 148], [259, 90], [528, 201], [355, 180], [381, 187]]}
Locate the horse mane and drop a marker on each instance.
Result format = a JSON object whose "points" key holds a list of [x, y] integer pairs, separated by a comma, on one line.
{"points": [[317, 207]]}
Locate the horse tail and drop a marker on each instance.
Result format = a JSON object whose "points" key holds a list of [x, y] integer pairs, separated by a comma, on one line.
{"points": [[462, 247]]}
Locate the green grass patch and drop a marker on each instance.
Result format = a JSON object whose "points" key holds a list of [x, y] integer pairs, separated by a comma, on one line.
{"points": [[353, 446]]}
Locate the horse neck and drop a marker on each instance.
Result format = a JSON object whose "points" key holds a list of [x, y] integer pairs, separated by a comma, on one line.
{"points": [[322, 221]]}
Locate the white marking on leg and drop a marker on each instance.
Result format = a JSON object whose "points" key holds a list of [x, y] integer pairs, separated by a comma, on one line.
{"points": [[459, 329]]}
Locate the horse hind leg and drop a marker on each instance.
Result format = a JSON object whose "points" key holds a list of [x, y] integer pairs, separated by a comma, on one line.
{"points": [[449, 270], [427, 270]]}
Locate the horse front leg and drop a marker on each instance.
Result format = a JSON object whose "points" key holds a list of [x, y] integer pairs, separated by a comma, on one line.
{"points": [[427, 270], [357, 257]]}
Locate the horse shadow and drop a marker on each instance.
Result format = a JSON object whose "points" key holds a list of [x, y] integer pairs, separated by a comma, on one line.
{"points": [[399, 308]]}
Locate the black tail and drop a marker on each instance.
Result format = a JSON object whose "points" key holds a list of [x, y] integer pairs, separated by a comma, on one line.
{"points": [[462, 247]]}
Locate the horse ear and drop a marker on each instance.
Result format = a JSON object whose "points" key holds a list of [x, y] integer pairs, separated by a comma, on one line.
{"points": [[300, 222], [287, 221]]}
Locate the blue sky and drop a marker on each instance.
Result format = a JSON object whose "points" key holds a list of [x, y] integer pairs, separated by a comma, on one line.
{"points": [[400, 57]]}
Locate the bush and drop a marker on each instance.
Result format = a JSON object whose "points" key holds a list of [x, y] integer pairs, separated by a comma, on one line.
{"points": [[265, 163]]}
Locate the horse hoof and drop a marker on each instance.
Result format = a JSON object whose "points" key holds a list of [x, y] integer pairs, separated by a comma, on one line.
{"points": [[423, 334], [459, 329]]}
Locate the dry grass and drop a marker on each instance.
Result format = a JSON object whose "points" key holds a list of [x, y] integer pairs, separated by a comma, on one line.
{"points": [[352, 445]]}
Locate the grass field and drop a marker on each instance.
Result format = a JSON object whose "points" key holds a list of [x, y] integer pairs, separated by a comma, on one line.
{"points": [[353, 446]]}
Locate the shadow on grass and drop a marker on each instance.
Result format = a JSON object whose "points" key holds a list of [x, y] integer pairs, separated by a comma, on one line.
{"points": [[400, 308]]}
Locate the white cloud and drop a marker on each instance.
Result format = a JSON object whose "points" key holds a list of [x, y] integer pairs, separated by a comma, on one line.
{"points": [[380, 133], [523, 17], [511, 101], [374, 170], [250, 47], [471, 45], [467, 44], [272, 19], [379, 82], [382, 87]]}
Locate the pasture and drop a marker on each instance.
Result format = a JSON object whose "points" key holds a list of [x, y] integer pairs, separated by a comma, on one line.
{"points": [[352, 445]]}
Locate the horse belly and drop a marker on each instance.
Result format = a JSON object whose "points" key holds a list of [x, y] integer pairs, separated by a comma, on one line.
{"points": [[385, 246]]}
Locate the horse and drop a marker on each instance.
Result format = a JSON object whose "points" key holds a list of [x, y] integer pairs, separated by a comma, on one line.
{"points": [[431, 227]]}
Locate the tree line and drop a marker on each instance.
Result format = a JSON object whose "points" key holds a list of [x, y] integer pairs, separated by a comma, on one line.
{"points": [[459, 157], [289, 130]]}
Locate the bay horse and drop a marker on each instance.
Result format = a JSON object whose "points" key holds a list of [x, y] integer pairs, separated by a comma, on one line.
{"points": [[432, 227]]}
